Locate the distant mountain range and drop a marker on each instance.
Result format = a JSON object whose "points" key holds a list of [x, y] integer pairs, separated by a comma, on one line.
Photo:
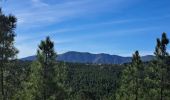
{"points": [[85, 57]]}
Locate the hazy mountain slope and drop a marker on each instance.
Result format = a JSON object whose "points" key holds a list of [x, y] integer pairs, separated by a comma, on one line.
{"points": [[84, 57]]}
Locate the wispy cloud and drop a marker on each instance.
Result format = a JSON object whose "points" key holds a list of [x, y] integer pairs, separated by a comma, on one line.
{"points": [[39, 3], [39, 13]]}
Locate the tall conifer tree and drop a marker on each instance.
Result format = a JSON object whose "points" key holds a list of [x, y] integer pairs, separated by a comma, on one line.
{"points": [[136, 62], [161, 54], [7, 50], [46, 56], [130, 85]]}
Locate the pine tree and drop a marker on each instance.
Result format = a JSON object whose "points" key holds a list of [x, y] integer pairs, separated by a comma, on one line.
{"points": [[7, 50], [161, 54], [136, 62], [46, 56], [131, 81], [45, 78]]}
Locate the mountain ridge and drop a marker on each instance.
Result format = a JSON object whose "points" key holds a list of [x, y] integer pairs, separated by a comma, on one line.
{"points": [[86, 57]]}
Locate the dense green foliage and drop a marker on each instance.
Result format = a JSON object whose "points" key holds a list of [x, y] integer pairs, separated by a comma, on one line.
{"points": [[93, 82], [42, 82], [7, 50], [74, 81], [132, 80]]}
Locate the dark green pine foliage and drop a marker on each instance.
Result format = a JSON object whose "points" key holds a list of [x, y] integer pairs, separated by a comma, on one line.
{"points": [[47, 58], [7, 50], [93, 81], [74, 81], [43, 81], [132, 80], [162, 54], [18, 73], [138, 74]]}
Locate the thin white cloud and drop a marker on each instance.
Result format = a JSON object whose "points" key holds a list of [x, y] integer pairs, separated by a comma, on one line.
{"points": [[39, 3], [40, 13]]}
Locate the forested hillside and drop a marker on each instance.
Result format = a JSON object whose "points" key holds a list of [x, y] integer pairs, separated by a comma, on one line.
{"points": [[74, 81]]}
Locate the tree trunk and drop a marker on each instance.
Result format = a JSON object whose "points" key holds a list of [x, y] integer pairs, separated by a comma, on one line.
{"points": [[2, 72], [136, 89], [162, 86], [44, 80], [45, 70], [2, 81]]}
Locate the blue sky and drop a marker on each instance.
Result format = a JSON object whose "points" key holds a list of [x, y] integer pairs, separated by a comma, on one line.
{"points": [[97, 26]]}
